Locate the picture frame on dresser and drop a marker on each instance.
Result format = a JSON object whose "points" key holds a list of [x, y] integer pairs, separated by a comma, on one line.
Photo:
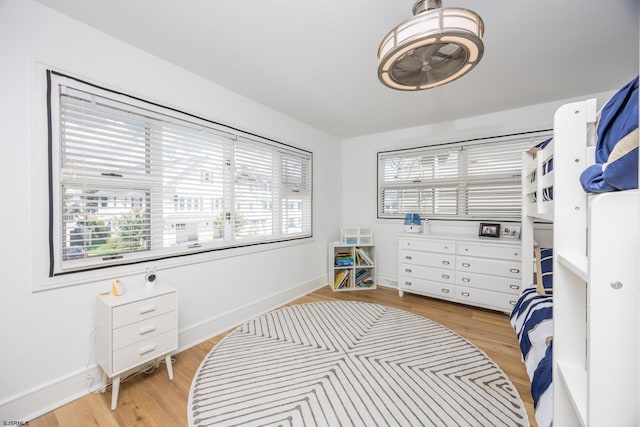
{"points": [[510, 232], [489, 229]]}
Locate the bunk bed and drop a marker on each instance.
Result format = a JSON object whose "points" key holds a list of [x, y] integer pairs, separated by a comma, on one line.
{"points": [[577, 322]]}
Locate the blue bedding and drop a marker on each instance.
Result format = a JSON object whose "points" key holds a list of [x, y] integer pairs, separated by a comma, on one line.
{"points": [[616, 162], [532, 319]]}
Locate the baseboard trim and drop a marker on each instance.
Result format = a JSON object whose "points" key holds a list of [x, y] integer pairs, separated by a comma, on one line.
{"points": [[47, 397]]}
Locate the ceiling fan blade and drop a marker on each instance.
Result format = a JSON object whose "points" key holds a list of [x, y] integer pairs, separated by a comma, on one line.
{"points": [[408, 62]]}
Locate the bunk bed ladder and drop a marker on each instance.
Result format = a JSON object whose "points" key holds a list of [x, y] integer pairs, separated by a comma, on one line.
{"points": [[595, 286]]}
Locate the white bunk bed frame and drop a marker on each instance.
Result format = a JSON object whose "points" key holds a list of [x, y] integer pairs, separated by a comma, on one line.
{"points": [[596, 295]]}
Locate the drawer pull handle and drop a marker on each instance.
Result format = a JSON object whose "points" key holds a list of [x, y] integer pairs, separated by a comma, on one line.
{"points": [[512, 302], [408, 257], [446, 247], [145, 350], [466, 249], [466, 264], [148, 309], [407, 283], [445, 276], [445, 291], [407, 270], [147, 329], [466, 279], [465, 294], [445, 262], [514, 286], [515, 270]]}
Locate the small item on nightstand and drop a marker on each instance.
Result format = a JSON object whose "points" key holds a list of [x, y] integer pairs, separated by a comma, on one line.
{"points": [[117, 288], [426, 226], [150, 278]]}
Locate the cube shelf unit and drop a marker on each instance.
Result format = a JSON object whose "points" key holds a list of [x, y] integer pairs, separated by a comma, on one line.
{"points": [[351, 267]]}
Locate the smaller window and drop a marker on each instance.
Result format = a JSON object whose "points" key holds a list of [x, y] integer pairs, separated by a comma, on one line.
{"points": [[477, 179]]}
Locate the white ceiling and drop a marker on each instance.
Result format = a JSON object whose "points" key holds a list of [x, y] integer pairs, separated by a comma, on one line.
{"points": [[316, 61]]}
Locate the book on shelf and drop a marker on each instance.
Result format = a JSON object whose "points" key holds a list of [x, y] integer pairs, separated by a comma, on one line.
{"points": [[363, 279], [341, 279], [343, 259], [367, 283], [363, 256]]}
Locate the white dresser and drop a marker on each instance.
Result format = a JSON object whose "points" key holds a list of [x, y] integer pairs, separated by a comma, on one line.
{"points": [[133, 329], [469, 270]]}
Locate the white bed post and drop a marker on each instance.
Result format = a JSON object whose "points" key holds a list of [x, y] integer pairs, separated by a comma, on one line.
{"points": [[526, 228]]}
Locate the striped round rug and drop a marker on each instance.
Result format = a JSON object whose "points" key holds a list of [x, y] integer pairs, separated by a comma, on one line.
{"points": [[350, 364]]}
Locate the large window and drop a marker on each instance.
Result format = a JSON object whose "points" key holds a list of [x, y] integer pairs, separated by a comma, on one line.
{"points": [[466, 180], [133, 181]]}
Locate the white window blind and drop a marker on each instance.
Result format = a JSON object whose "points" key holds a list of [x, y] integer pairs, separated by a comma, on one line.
{"points": [[466, 180], [133, 181]]}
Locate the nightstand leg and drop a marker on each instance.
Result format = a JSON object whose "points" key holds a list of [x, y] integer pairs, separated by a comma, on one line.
{"points": [[115, 388], [167, 361]]}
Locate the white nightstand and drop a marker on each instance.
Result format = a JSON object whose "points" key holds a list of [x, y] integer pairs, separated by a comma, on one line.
{"points": [[133, 329]]}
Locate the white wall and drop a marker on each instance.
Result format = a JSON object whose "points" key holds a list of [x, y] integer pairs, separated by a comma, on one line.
{"points": [[360, 169], [47, 336]]}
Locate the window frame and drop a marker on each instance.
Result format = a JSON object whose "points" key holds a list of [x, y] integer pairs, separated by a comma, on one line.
{"points": [[280, 191], [457, 183]]}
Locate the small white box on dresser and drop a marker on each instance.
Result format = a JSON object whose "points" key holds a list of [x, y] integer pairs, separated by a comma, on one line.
{"points": [[469, 270], [133, 329]]}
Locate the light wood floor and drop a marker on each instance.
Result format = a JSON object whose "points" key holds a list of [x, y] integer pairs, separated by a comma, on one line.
{"points": [[153, 400]]}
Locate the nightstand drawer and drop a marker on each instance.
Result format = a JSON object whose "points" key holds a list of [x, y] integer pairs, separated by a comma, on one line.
{"points": [[428, 273], [490, 283], [428, 259], [489, 266], [144, 309], [432, 245], [490, 251], [145, 329], [143, 351]]}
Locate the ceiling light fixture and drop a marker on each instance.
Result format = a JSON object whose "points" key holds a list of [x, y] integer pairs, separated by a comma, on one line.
{"points": [[433, 48]]}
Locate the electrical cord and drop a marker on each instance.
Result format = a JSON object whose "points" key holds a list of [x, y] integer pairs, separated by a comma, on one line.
{"points": [[148, 368]]}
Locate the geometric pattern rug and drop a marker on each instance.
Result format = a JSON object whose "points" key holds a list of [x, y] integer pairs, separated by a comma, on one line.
{"points": [[350, 364]]}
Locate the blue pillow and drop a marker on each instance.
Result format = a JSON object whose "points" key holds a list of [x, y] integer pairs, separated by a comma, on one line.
{"points": [[616, 166]]}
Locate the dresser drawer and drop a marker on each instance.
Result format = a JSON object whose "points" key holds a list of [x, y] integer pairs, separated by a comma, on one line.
{"points": [[428, 259], [147, 328], [490, 283], [488, 266], [144, 351], [428, 273], [490, 251], [432, 245], [143, 309], [495, 300], [420, 286]]}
